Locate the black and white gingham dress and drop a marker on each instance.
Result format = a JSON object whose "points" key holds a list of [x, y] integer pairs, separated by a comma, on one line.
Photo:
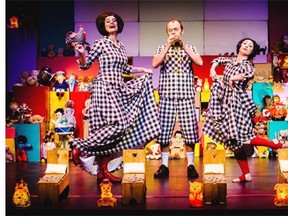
{"points": [[176, 91], [230, 112], [121, 115]]}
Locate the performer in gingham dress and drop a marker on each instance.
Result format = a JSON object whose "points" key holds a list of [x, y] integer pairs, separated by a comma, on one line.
{"points": [[121, 115], [231, 110]]}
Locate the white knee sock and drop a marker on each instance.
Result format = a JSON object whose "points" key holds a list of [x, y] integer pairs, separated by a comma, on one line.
{"points": [[190, 158], [165, 157]]}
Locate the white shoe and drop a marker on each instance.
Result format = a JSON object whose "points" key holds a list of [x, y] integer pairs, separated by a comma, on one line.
{"points": [[246, 178]]}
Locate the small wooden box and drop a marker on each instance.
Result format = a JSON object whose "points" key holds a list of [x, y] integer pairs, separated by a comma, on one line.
{"points": [[282, 155], [133, 188], [52, 185], [215, 187], [133, 185]]}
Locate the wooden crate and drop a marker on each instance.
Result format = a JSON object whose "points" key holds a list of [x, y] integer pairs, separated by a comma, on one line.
{"points": [[282, 155], [214, 182], [133, 189], [52, 187], [133, 184]]}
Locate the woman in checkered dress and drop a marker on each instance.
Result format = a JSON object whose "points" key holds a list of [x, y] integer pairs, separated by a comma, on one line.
{"points": [[122, 115], [231, 109]]}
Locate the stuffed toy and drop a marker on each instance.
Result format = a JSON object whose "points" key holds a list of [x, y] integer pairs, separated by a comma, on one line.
{"points": [[107, 198], [9, 155], [51, 51], [45, 77], [71, 82], [13, 116], [69, 113], [281, 196], [196, 194], [278, 111], [61, 119], [199, 84], [25, 113], [21, 196], [177, 146], [78, 37], [153, 152], [85, 111], [60, 86], [21, 147], [36, 119], [48, 144]]}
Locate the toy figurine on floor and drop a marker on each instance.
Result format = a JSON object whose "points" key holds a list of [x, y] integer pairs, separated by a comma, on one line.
{"points": [[107, 198], [196, 194], [21, 196], [60, 86], [22, 146]]}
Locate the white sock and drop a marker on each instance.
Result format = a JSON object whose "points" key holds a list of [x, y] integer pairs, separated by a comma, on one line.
{"points": [[190, 158], [165, 157]]}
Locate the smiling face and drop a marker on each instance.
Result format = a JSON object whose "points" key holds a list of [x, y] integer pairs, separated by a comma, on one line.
{"points": [[246, 47], [111, 25]]}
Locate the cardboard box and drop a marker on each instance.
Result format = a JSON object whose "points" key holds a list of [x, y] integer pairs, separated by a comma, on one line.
{"points": [[215, 186], [282, 155], [133, 186], [54, 185]]}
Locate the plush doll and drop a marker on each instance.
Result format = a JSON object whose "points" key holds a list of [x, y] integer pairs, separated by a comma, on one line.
{"points": [[48, 144], [36, 119], [61, 118], [85, 111], [177, 145], [196, 194], [13, 115], [69, 113], [60, 86], [281, 194], [45, 76], [25, 113], [153, 152], [71, 82], [199, 84], [21, 196], [51, 51], [22, 146]]}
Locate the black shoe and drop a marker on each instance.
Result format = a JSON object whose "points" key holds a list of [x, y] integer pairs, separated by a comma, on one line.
{"points": [[163, 172], [191, 172]]}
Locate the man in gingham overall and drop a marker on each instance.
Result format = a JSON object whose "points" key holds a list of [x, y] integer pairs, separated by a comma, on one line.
{"points": [[176, 91]]}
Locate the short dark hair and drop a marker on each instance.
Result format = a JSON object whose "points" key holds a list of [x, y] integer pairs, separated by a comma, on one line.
{"points": [[100, 22], [255, 50]]}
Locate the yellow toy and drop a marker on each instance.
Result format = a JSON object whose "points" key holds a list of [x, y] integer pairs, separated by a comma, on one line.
{"points": [[281, 197], [196, 194], [107, 198], [21, 196]]}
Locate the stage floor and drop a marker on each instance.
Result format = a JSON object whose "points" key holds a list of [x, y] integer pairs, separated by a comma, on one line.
{"points": [[163, 197]]}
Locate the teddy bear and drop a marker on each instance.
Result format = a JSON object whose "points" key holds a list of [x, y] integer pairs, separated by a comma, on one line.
{"points": [[21, 196], [36, 119], [107, 198], [51, 51], [196, 194]]}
